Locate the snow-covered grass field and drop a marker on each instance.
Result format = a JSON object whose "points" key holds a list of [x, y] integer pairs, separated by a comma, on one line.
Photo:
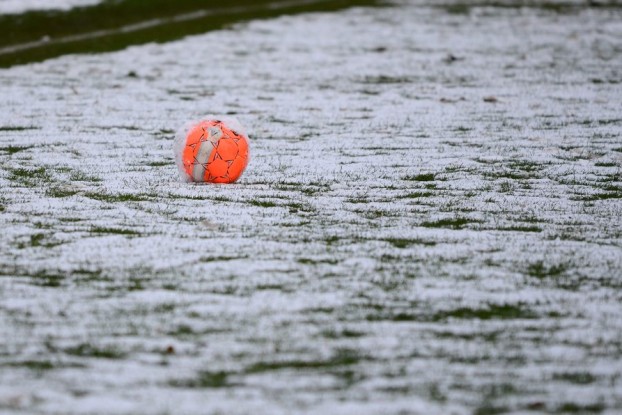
{"points": [[430, 222]]}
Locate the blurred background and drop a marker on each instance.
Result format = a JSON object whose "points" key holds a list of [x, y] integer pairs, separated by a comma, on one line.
{"points": [[33, 30]]}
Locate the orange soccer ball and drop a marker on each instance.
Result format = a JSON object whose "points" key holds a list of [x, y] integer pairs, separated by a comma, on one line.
{"points": [[212, 151]]}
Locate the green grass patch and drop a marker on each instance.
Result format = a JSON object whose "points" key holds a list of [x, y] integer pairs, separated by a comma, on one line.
{"points": [[78, 176], [385, 79], [541, 270], [506, 187], [402, 317], [416, 195], [42, 365], [87, 276], [295, 207], [311, 261], [488, 408], [424, 177], [196, 197], [120, 198], [310, 190], [610, 121], [356, 200], [35, 240], [270, 287], [16, 127], [524, 165], [509, 174], [340, 334], [490, 312], [182, 330], [521, 228], [29, 176], [602, 196], [204, 380], [59, 192], [406, 242], [578, 378], [89, 350], [373, 214], [220, 258], [609, 179], [342, 357], [575, 408], [136, 284], [114, 231], [331, 240], [70, 220], [36, 365], [14, 149], [458, 9], [45, 279], [159, 163], [262, 203], [451, 223]]}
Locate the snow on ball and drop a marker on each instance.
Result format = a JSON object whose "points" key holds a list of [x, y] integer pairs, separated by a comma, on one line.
{"points": [[213, 150]]}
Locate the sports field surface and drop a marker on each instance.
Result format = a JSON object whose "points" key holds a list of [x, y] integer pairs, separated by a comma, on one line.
{"points": [[430, 223]]}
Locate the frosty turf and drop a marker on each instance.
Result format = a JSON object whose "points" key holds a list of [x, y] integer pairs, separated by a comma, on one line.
{"points": [[404, 247]]}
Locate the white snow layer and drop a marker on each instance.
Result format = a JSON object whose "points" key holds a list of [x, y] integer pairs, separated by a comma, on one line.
{"points": [[430, 223]]}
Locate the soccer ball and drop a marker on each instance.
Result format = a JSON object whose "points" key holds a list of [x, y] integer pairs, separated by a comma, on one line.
{"points": [[212, 150]]}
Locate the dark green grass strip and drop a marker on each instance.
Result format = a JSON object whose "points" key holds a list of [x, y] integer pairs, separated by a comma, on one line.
{"points": [[15, 127], [42, 365], [405, 242], [60, 192], [89, 350], [104, 197], [521, 228], [221, 379], [452, 223], [14, 149], [416, 195], [204, 379], [114, 231], [114, 24], [541, 270], [575, 408], [424, 177], [343, 357], [26, 174], [602, 196], [489, 312], [262, 203], [578, 378], [49, 280], [499, 312]]}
